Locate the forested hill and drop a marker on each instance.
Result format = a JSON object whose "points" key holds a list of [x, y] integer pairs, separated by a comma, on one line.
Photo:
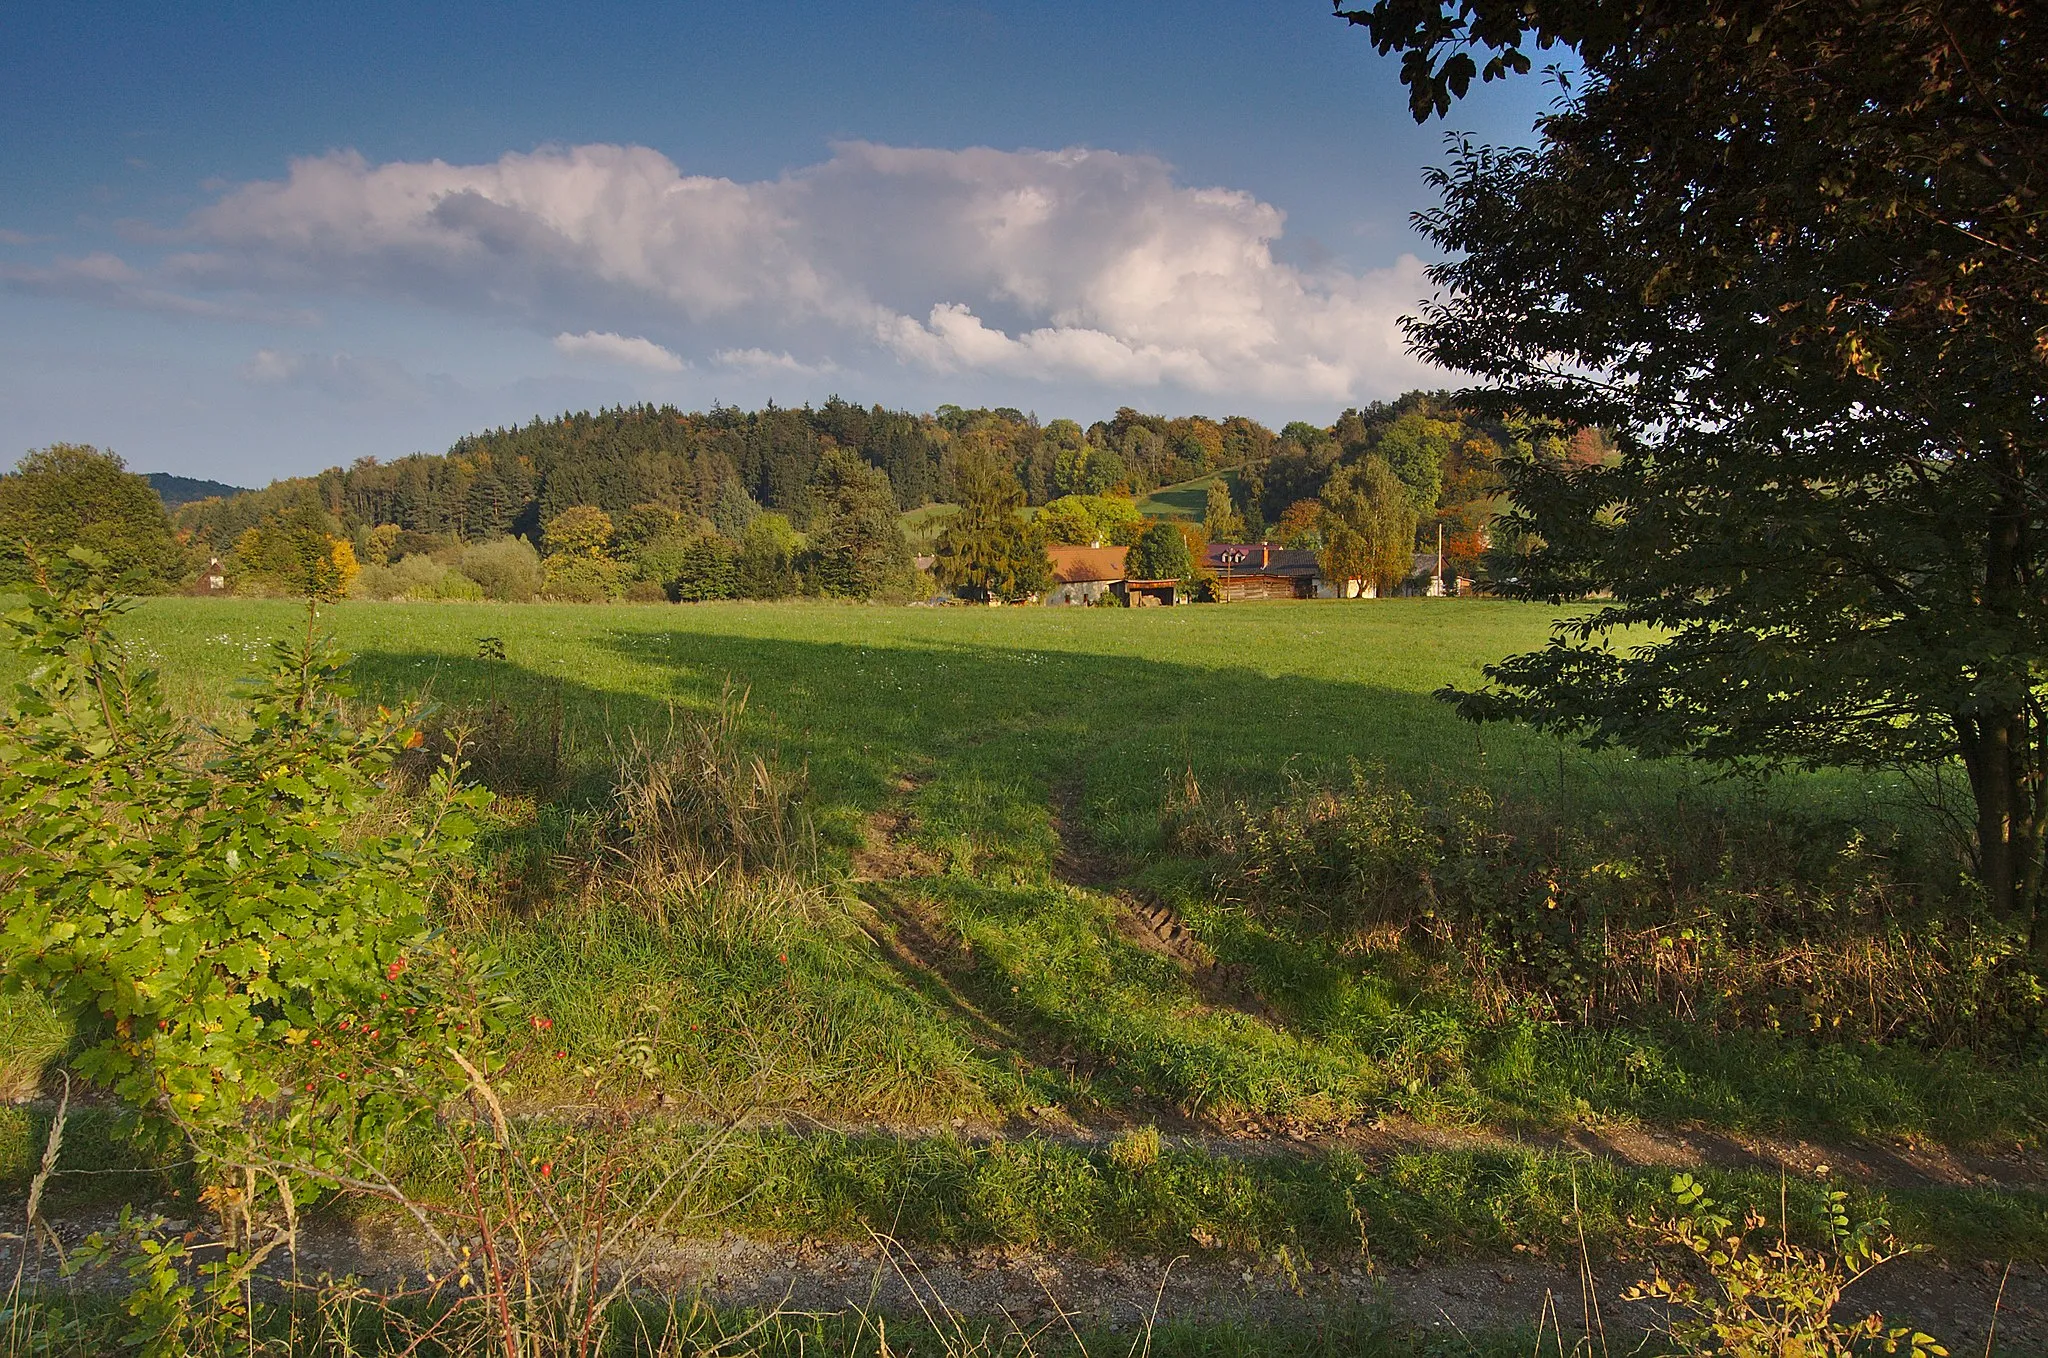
{"points": [[513, 480], [176, 490], [723, 465]]}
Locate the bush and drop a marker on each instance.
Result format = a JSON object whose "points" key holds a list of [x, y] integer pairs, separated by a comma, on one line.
{"points": [[766, 568], [507, 569], [579, 530], [456, 585], [244, 959], [1768, 1295], [415, 577], [583, 579], [691, 568]]}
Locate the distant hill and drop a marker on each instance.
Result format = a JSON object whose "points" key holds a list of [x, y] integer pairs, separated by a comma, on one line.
{"points": [[183, 490]]}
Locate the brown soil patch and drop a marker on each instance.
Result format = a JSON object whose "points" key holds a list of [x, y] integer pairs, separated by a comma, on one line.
{"points": [[1152, 925], [1077, 862], [886, 853]]}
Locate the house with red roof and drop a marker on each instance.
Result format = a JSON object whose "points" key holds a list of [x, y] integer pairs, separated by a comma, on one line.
{"points": [[1084, 575]]}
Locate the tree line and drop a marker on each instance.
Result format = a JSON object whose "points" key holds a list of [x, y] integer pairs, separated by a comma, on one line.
{"points": [[649, 502]]}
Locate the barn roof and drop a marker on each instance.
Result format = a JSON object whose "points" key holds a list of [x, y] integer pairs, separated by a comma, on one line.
{"points": [[1259, 558], [1074, 565]]}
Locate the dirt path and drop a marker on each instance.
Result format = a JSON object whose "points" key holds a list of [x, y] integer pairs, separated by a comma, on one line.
{"points": [[1034, 1290]]}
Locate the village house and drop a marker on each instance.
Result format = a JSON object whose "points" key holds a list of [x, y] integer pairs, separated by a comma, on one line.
{"points": [[1084, 575], [1259, 570]]}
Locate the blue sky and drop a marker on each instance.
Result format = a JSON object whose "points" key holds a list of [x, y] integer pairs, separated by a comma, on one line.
{"points": [[254, 240]]}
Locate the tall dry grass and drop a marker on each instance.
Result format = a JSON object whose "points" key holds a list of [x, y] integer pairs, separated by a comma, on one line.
{"points": [[696, 802], [1693, 913]]}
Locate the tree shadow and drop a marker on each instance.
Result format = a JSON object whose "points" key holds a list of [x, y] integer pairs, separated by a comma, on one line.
{"points": [[997, 731]]}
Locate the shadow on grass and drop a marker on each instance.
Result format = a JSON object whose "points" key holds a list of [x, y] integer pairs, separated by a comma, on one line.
{"points": [[996, 729]]}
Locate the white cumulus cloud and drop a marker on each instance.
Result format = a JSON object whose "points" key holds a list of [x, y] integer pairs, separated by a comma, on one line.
{"points": [[1060, 266], [760, 360], [632, 350]]}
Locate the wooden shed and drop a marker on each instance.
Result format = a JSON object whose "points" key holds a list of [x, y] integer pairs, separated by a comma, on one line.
{"points": [[1148, 593]]}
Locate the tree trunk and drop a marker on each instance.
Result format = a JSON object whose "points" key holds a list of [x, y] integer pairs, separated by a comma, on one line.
{"points": [[2005, 748], [2003, 754]]}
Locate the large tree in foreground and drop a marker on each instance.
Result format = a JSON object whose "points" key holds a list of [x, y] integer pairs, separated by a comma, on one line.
{"points": [[1792, 254]]}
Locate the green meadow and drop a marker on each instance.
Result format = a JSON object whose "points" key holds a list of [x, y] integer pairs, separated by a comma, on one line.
{"points": [[1186, 499], [946, 1017]]}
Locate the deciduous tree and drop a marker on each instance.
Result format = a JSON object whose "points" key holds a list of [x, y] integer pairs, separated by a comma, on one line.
{"points": [[1368, 526], [71, 494], [1795, 257], [1160, 554], [580, 530]]}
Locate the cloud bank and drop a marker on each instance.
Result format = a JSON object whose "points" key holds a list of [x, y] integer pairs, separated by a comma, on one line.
{"points": [[109, 280], [609, 347], [1073, 266]]}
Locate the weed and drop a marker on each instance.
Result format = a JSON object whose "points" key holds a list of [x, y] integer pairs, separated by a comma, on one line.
{"points": [[1136, 1150], [1773, 1296], [1713, 920], [697, 803], [33, 1035]]}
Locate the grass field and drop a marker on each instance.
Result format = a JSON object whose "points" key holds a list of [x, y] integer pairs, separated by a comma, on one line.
{"points": [[922, 526], [993, 790], [1185, 499]]}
